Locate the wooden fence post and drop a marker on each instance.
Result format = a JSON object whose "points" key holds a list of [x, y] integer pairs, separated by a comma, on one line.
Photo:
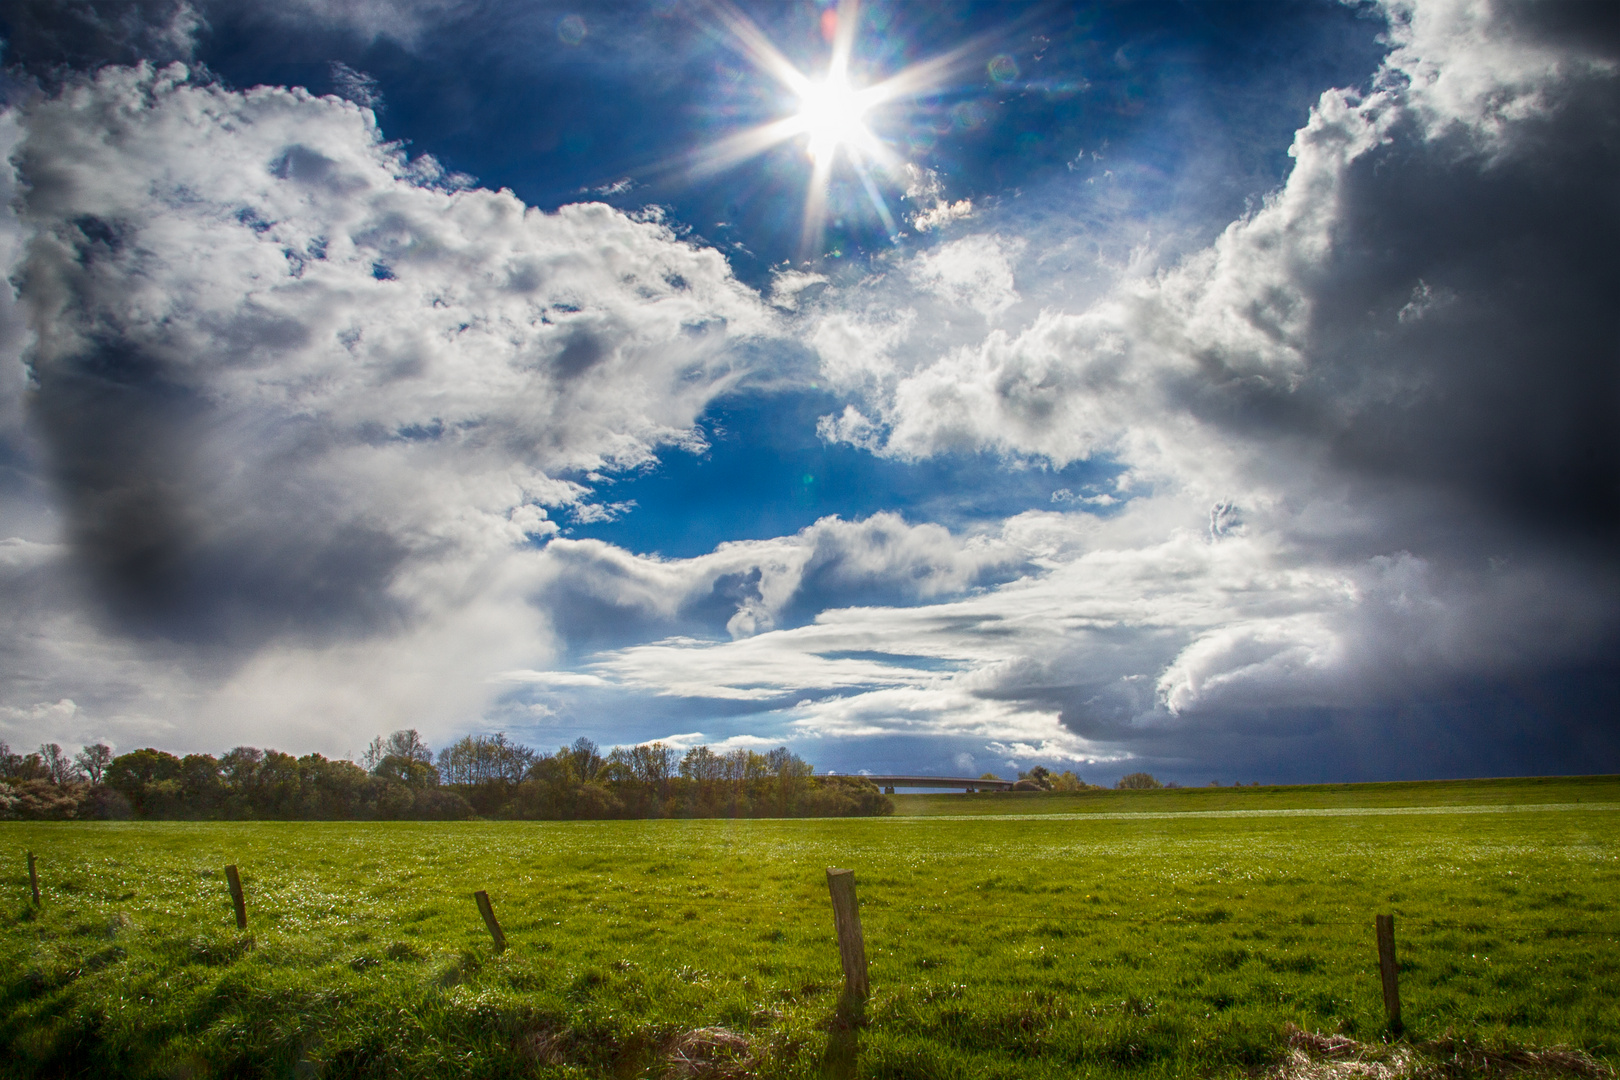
{"points": [[487, 910], [847, 921], [235, 881], [33, 878], [1386, 970]]}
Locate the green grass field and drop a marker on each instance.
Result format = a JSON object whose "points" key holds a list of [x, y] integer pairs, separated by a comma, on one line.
{"points": [[1510, 792], [1160, 933]]}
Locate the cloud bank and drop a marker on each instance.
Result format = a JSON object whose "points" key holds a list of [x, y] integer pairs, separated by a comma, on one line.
{"points": [[294, 423]]}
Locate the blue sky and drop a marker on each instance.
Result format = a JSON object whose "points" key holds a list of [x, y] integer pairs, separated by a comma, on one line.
{"points": [[1224, 390], [502, 93]]}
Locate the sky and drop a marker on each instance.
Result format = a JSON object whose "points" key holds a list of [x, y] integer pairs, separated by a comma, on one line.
{"points": [[1224, 391]]}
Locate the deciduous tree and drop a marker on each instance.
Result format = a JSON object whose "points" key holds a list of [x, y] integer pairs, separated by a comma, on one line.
{"points": [[59, 767], [93, 760]]}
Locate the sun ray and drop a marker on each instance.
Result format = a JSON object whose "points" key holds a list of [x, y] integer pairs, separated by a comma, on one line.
{"points": [[758, 48], [875, 195], [847, 21], [735, 149], [815, 209], [930, 74]]}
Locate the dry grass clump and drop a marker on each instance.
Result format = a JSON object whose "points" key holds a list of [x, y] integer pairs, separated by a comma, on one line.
{"points": [[1313, 1056], [711, 1053], [707, 1053]]}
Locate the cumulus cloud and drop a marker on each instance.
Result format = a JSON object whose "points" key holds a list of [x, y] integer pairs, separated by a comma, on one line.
{"points": [[1449, 214], [301, 398], [1486, 67], [271, 353]]}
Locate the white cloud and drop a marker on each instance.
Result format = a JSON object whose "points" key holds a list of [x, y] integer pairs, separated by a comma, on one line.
{"points": [[942, 214], [308, 404], [856, 347], [788, 286], [1472, 63], [44, 714], [975, 271], [760, 582], [550, 678], [357, 86], [926, 191], [683, 741]]}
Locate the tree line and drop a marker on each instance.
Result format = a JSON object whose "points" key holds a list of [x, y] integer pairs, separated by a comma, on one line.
{"points": [[400, 778]]}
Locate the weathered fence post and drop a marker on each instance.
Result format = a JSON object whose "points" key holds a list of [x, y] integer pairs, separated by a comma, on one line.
{"points": [[235, 881], [33, 878], [1386, 970], [847, 921], [487, 910]]}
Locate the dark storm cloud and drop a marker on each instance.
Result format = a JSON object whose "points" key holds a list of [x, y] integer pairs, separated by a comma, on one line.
{"points": [[176, 548], [1463, 332], [1555, 722], [50, 39], [1463, 384], [184, 535], [1581, 29]]}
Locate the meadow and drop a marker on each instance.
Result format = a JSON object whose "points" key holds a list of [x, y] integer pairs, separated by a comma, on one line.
{"points": [[1167, 934]]}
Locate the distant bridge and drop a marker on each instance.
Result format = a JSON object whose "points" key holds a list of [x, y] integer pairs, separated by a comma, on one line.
{"points": [[889, 783]]}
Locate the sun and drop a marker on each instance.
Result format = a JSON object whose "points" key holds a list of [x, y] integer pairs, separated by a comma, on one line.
{"points": [[833, 114]]}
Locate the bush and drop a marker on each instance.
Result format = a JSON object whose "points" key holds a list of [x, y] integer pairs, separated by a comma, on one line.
{"points": [[1138, 781], [40, 800]]}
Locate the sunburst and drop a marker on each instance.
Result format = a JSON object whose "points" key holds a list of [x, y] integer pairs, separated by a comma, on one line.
{"points": [[831, 115]]}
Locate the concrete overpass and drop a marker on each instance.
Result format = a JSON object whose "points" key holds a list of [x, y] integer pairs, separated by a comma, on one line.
{"points": [[964, 783]]}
